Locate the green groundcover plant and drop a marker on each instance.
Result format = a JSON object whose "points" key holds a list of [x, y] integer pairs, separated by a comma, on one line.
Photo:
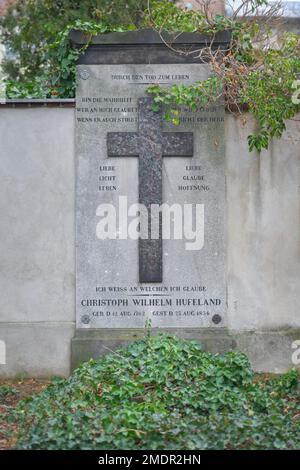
{"points": [[259, 70], [163, 392], [7, 391]]}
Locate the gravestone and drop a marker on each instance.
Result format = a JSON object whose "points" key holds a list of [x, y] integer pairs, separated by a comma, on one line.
{"points": [[150, 195]]}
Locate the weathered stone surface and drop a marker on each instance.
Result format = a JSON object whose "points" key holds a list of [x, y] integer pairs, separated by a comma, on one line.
{"points": [[146, 47], [172, 286], [37, 197]]}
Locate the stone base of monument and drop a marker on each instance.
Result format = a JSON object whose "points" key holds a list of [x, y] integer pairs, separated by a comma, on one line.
{"points": [[268, 351]]}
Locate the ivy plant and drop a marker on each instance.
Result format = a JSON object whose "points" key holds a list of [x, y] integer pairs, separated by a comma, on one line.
{"points": [[163, 392]]}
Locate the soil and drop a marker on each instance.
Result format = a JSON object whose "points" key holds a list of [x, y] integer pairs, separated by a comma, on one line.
{"points": [[20, 389]]}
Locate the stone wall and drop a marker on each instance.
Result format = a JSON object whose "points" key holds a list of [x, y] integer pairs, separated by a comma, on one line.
{"points": [[37, 262], [215, 6], [37, 239]]}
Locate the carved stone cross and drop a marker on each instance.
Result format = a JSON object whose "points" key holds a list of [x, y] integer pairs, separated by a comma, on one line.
{"points": [[150, 144]]}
